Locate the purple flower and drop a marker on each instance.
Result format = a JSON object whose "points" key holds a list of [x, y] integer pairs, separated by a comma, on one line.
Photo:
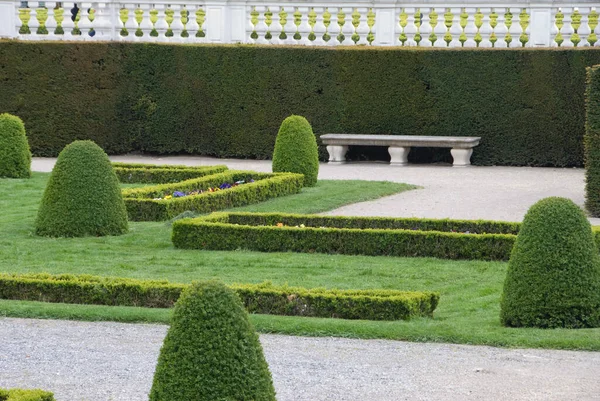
{"points": [[178, 194]]}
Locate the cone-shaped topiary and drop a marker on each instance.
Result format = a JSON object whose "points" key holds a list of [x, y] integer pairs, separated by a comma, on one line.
{"points": [[553, 277], [211, 351], [82, 196], [15, 157], [296, 150]]}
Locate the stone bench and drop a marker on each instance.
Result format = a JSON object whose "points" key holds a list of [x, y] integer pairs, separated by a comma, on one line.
{"points": [[399, 146]]}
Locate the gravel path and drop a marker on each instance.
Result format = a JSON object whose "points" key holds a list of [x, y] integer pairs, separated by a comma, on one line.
{"points": [[114, 361]]}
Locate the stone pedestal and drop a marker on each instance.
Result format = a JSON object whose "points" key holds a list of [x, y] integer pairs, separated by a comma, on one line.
{"points": [[399, 155], [462, 157], [337, 154]]}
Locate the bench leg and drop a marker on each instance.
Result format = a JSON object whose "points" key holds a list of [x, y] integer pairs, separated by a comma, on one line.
{"points": [[337, 154], [399, 155], [462, 157]]}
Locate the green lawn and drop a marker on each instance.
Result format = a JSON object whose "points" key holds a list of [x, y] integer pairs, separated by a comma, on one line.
{"points": [[470, 290]]}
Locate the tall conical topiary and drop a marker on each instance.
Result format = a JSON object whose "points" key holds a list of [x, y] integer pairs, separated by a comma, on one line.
{"points": [[15, 156], [82, 196], [211, 351], [553, 277], [296, 150]]}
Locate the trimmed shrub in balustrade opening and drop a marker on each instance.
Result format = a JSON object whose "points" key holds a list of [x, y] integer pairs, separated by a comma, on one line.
{"points": [[592, 141], [17, 394], [82, 196], [296, 150], [553, 277], [162, 174], [211, 351], [15, 157]]}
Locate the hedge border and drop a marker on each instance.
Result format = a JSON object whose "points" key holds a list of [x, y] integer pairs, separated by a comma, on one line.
{"points": [[19, 394], [262, 298], [141, 205], [591, 141], [161, 174]]}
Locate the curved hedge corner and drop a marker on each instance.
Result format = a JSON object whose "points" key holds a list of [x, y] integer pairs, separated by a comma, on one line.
{"points": [[82, 196], [592, 141], [162, 174], [211, 351], [296, 150], [553, 277], [15, 157], [18, 394]]}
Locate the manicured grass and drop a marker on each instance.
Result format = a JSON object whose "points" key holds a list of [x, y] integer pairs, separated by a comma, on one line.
{"points": [[470, 290]]}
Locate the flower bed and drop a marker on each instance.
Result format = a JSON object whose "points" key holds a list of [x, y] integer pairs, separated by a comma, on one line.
{"points": [[204, 194], [275, 232], [257, 298], [162, 174]]}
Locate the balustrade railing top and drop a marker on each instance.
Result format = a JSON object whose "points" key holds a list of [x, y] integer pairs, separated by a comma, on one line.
{"points": [[467, 23]]}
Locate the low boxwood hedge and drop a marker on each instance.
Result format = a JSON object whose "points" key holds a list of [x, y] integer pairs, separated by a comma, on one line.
{"points": [[148, 203], [162, 174], [17, 394], [258, 298]]}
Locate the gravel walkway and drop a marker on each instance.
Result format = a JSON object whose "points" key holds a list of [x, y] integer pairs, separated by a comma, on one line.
{"points": [[114, 361]]}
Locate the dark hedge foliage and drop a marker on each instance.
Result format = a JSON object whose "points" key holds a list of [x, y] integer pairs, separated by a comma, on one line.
{"points": [[592, 142], [553, 277], [17, 394], [15, 157], [296, 150], [228, 101], [82, 196], [211, 351]]}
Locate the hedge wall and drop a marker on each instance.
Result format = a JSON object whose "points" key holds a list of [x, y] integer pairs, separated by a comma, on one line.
{"points": [[592, 142], [526, 104], [257, 298], [149, 173], [17, 394]]}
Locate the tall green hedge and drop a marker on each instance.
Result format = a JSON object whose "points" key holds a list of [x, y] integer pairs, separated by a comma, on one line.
{"points": [[592, 142], [526, 104]]}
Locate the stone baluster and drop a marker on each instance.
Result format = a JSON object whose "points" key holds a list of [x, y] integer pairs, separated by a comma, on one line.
{"points": [[501, 30], [33, 23], [146, 25], [161, 25], [333, 30], [202, 23], [250, 25], [440, 28], [410, 30], [470, 28], [455, 29], [177, 25], [261, 27], [103, 27], [348, 27], [363, 27], [597, 31], [304, 29], [191, 25], [290, 27], [486, 28], [425, 28], [131, 25], [584, 29], [515, 29], [67, 23], [276, 28], [567, 29], [554, 29], [51, 23], [319, 28], [85, 24]]}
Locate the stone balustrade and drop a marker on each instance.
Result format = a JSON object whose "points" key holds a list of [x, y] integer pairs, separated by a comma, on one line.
{"points": [[316, 23]]}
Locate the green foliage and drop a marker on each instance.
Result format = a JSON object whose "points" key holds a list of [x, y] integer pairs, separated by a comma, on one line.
{"points": [[143, 204], [553, 277], [211, 351], [296, 150], [148, 173], [257, 298], [592, 142], [82, 196], [231, 231], [228, 101], [15, 157], [17, 394]]}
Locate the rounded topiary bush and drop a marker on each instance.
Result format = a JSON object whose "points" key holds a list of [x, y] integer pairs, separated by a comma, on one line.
{"points": [[15, 156], [553, 277], [211, 351], [82, 196], [296, 150]]}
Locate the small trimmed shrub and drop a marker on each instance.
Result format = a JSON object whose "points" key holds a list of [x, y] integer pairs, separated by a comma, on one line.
{"points": [[18, 394], [211, 351], [553, 277], [591, 141], [82, 196], [296, 150], [15, 157]]}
